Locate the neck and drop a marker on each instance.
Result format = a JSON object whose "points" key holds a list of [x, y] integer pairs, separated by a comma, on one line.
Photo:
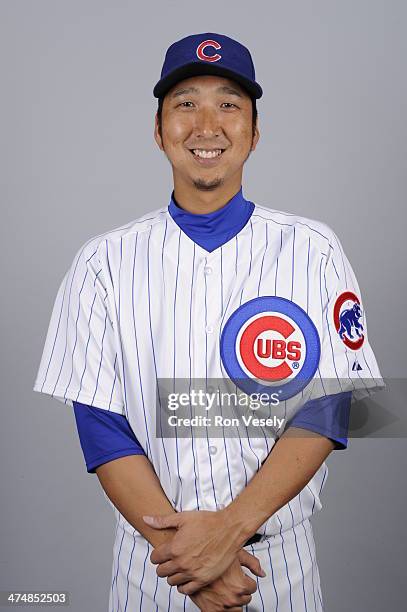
{"points": [[200, 201], [210, 230]]}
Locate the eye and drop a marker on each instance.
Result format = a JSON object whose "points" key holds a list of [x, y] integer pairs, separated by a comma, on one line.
{"points": [[230, 104], [186, 102]]}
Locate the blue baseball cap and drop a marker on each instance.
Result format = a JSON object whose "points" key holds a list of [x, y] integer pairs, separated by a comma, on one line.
{"points": [[208, 53]]}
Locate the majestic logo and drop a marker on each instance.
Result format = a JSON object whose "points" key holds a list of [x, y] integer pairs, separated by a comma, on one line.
{"points": [[347, 315], [270, 345], [208, 58]]}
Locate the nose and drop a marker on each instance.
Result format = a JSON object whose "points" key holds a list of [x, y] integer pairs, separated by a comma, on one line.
{"points": [[207, 123]]}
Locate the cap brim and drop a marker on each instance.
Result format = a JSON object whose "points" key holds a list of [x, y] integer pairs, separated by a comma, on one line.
{"points": [[197, 69]]}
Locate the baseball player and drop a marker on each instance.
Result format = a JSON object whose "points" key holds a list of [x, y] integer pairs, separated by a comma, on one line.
{"points": [[210, 287]]}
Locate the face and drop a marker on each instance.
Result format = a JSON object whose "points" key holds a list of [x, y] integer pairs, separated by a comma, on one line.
{"points": [[207, 131]]}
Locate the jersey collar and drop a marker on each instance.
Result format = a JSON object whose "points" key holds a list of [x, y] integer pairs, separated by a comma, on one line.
{"points": [[211, 230]]}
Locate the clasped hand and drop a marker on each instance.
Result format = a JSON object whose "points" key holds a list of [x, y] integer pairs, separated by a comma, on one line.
{"points": [[203, 548]]}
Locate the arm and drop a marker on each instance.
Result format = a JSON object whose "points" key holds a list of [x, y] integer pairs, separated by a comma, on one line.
{"points": [[132, 485], [291, 464], [207, 542], [112, 451]]}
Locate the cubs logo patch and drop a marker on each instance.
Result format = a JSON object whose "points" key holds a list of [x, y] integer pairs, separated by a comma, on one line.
{"points": [[270, 345], [347, 315], [200, 51]]}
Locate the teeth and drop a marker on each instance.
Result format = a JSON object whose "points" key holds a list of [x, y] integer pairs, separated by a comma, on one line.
{"points": [[207, 154]]}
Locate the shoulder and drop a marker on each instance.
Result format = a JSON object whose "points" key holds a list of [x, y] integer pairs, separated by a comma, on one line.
{"points": [[92, 247], [318, 232]]}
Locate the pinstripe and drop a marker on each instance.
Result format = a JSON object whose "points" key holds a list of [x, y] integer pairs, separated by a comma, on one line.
{"points": [[120, 270], [251, 247], [285, 561], [262, 262], [327, 323], [86, 352], [272, 574], [221, 280], [113, 570], [175, 302], [169, 599], [162, 254], [281, 247], [76, 262], [149, 274], [236, 389], [117, 569], [101, 357], [119, 319], [142, 577], [190, 376], [56, 335], [128, 570], [174, 349], [258, 583], [299, 556], [292, 265], [309, 550], [152, 347], [227, 458], [206, 389], [136, 349], [76, 337], [114, 381], [237, 428]]}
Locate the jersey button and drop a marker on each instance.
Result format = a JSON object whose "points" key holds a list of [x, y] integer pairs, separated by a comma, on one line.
{"points": [[209, 329], [213, 450], [207, 270]]}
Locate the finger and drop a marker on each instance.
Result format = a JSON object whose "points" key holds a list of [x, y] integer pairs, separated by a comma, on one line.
{"points": [[250, 586], [167, 569], [178, 578], [189, 588], [243, 601], [252, 563], [162, 553], [163, 522]]}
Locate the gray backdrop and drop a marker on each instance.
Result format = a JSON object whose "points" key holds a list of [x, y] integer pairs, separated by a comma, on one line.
{"points": [[78, 158]]}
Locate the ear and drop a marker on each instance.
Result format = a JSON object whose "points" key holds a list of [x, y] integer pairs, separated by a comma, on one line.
{"points": [[157, 135], [256, 135]]}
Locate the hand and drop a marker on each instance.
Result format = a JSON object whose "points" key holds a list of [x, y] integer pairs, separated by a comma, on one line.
{"points": [[230, 591], [203, 547]]}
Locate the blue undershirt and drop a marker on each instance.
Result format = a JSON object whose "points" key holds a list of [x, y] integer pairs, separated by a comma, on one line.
{"points": [[211, 230], [105, 435]]}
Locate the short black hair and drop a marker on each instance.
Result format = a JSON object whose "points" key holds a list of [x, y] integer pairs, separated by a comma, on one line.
{"points": [[160, 109]]}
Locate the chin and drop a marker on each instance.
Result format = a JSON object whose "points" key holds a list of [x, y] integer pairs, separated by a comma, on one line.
{"points": [[207, 184]]}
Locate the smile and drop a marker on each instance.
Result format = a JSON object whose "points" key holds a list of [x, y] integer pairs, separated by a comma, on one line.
{"points": [[207, 154]]}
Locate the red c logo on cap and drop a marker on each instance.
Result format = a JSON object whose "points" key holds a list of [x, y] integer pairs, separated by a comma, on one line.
{"points": [[208, 58]]}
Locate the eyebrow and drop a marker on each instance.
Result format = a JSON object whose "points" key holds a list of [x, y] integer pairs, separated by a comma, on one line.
{"points": [[221, 89]]}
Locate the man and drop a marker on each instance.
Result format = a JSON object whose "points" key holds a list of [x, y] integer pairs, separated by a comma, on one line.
{"points": [[210, 287]]}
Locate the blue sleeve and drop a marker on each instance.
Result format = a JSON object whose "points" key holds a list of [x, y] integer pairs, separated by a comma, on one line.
{"points": [[104, 435], [328, 416]]}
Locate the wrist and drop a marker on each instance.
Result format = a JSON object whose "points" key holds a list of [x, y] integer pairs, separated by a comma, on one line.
{"points": [[241, 523]]}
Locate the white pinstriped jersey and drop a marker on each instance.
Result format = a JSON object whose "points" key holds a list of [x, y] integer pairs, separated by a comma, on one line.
{"points": [[144, 301]]}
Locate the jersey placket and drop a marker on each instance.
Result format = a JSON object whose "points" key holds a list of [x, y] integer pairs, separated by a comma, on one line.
{"points": [[206, 318]]}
